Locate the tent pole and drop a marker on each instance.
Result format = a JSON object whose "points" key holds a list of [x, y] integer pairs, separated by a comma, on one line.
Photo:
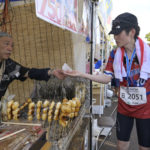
{"points": [[91, 69]]}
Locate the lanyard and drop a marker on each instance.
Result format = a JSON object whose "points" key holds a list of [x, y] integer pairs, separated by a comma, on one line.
{"points": [[129, 64]]}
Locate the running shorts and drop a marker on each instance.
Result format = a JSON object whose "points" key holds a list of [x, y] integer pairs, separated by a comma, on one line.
{"points": [[124, 125]]}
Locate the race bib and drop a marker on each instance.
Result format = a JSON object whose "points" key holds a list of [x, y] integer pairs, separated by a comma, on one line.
{"points": [[133, 95]]}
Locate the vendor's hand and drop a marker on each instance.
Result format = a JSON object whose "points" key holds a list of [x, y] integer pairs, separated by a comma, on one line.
{"points": [[59, 74], [73, 73]]}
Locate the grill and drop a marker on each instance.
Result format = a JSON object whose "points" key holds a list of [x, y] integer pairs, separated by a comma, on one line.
{"points": [[56, 90], [59, 136]]}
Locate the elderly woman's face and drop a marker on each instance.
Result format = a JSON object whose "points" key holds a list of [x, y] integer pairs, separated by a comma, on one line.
{"points": [[6, 47]]}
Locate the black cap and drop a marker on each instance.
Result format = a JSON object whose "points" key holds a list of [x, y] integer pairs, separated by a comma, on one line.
{"points": [[123, 21]]}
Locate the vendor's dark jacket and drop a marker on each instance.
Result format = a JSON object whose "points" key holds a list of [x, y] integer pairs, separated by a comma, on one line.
{"points": [[14, 70]]}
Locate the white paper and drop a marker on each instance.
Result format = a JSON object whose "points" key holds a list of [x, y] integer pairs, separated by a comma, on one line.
{"points": [[66, 67]]}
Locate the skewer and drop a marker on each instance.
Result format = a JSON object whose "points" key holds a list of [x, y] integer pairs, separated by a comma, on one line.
{"points": [[55, 123], [12, 134], [48, 132], [28, 124]]}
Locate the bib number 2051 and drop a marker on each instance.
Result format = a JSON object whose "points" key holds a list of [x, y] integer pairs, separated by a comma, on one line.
{"points": [[133, 95]]}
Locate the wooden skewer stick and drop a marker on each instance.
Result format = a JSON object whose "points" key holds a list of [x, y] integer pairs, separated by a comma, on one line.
{"points": [[19, 123], [12, 134]]}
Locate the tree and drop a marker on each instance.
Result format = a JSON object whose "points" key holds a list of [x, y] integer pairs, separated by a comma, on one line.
{"points": [[147, 36]]}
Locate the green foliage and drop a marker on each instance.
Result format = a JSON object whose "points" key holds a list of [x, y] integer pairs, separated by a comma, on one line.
{"points": [[147, 36]]}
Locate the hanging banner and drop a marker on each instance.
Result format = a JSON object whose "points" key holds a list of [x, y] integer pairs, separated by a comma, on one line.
{"points": [[50, 11], [62, 13], [85, 24], [104, 12], [70, 15]]}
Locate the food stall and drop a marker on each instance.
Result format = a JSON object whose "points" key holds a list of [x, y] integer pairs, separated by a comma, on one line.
{"points": [[49, 42]]}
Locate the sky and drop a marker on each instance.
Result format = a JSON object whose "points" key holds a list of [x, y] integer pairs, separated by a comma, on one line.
{"points": [[140, 8]]}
